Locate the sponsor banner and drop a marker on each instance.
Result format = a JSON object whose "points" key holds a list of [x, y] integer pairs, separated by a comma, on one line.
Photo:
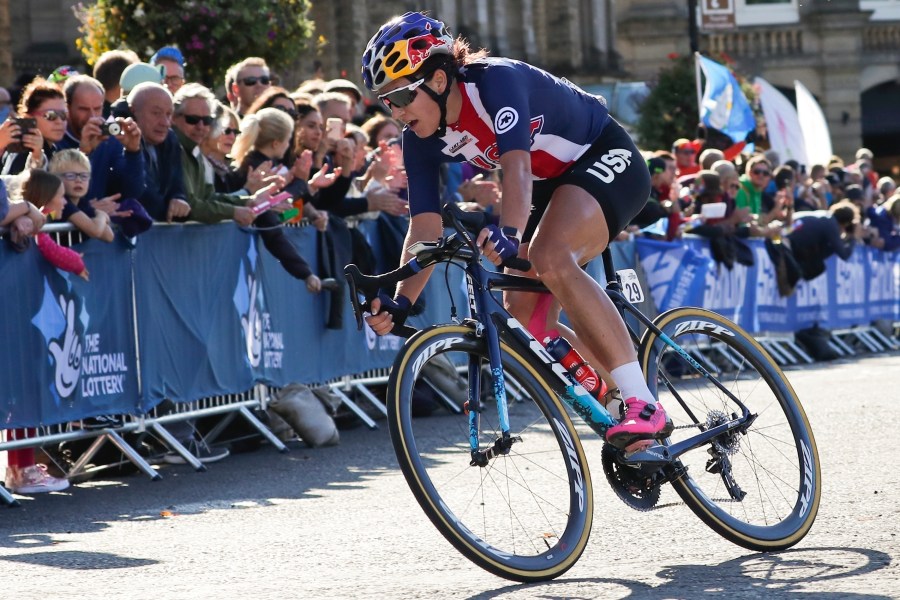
{"points": [[215, 314], [189, 331], [853, 292], [70, 343], [676, 272]]}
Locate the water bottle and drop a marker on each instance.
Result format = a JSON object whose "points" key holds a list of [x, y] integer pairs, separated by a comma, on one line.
{"points": [[568, 357]]}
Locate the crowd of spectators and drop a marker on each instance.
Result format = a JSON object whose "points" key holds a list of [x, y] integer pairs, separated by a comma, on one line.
{"points": [[805, 213], [133, 143]]}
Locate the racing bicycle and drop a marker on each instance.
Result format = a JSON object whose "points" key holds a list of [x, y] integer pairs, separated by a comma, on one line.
{"points": [[506, 480]]}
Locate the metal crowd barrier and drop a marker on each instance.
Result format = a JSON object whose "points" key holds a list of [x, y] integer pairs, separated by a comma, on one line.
{"points": [[782, 347], [229, 407]]}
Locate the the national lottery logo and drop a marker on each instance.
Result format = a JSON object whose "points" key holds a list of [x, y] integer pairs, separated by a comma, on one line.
{"points": [[264, 345], [76, 355]]}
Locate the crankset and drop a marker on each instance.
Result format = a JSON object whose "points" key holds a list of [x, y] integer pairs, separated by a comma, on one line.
{"points": [[638, 489]]}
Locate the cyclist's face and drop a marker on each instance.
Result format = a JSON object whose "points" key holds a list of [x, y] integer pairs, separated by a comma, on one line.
{"points": [[422, 115]]}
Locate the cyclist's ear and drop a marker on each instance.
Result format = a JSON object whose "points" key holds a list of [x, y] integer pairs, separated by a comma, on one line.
{"points": [[438, 80]]}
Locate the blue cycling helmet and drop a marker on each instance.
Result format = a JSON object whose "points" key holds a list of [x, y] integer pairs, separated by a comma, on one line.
{"points": [[401, 46]]}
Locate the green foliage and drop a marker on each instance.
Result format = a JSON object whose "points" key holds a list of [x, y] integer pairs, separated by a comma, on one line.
{"points": [[211, 34], [670, 109]]}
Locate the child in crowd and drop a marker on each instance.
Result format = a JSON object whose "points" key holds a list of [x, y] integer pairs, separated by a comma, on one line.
{"points": [[74, 168], [45, 191], [95, 217]]}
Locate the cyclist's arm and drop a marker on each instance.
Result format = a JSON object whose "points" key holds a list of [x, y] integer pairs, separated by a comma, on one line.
{"points": [[424, 227], [516, 165]]}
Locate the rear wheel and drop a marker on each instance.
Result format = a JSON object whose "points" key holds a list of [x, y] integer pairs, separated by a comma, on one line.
{"points": [[527, 515], [758, 488]]}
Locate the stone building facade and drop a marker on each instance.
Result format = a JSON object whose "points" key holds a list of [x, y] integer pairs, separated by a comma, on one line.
{"points": [[847, 52]]}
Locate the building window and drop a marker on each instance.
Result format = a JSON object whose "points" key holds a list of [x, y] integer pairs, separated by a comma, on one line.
{"points": [[885, 10], [766, 12]]}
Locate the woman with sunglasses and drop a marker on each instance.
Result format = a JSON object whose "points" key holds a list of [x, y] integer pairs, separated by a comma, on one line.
{"points": [[217, 150], [572, 180], [44, 102]]}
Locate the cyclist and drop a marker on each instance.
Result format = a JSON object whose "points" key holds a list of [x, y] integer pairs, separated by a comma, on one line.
{"points": [[572, 179]]}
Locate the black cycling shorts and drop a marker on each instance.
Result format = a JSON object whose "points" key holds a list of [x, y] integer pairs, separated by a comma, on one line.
{"points": [[612, 171]]}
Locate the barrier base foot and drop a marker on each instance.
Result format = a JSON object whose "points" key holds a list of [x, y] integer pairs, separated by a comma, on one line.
{"points": [[132, 455], [355, 408], [7, 498], [177, 447], [265, 431]]}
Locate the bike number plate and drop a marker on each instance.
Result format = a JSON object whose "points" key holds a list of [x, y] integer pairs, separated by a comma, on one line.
{"points": [[631, 286]]}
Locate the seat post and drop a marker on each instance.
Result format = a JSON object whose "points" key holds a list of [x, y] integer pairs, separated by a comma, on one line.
{"points": [[608, 268]]}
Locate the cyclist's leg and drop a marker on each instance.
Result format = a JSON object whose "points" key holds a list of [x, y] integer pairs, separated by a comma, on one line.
{"points": [[540, 314], [592, 202]]}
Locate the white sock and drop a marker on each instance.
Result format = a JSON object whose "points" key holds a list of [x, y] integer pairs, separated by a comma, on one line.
{"points": [[631, 381]]}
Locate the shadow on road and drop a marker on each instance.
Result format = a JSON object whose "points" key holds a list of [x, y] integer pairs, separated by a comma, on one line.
{"points": [[253, 479], [774, 576]]}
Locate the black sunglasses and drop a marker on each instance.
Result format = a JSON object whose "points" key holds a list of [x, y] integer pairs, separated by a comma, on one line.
{"points": [[761, 172], [53, 115], [290, 111], [231, 130], [251, 81], [194, 119], [402, 96]]}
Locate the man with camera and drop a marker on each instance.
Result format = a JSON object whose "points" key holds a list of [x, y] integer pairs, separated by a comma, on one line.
{"points": [[113, 147]]}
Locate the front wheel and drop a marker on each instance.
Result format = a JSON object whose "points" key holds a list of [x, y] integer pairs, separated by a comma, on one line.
{"points": [[758, 488], [527, 515]]}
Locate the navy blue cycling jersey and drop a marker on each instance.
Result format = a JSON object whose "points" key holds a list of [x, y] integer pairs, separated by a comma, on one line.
{"points": [[507, 105]]}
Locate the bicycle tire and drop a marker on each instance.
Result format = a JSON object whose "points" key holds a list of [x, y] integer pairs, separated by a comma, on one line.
{"points": [[527, 515], [776, 458]]}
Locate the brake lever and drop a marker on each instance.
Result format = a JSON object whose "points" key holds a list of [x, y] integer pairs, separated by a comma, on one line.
{"points": [[352, 274]]}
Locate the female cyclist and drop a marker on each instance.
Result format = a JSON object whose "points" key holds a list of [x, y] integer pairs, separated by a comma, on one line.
{"points": [[572, 179]]}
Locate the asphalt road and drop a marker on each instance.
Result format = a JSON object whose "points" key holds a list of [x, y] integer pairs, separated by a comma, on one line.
{"points": [[341, 523]]}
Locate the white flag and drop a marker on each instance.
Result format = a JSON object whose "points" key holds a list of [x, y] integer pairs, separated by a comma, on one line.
{"points": [[782, 124], [814, 126]]}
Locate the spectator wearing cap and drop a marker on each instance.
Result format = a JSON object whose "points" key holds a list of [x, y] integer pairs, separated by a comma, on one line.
{"points": [[108, 71], [131, 77], [245, 81], [685, 152], [170, 57], [117, 166], [61, 74], [164, 195]]}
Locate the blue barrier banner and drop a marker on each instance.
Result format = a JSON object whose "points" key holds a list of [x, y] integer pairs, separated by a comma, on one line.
{"points": [[853, 292], [883, 281], [676, 273], [189, 331], [215, 313], [70, 343]]}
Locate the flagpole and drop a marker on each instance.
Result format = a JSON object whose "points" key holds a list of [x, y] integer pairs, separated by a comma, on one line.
{"points": [[699, 91]]}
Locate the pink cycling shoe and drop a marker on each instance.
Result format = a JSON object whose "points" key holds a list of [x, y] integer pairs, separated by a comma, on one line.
{"points": [[642, 424]]}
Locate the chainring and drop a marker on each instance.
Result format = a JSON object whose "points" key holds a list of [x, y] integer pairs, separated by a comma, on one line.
{"points": [[631, 485]]}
